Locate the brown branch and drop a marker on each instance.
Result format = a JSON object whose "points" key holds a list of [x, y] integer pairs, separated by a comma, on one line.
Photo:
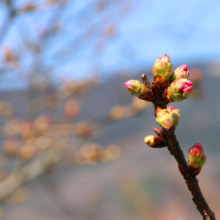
{"points": [[146, 81], [191, 181], [159, 100]]}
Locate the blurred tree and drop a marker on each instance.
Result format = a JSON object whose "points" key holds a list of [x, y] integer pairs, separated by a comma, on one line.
{"points": [[38, 40]]}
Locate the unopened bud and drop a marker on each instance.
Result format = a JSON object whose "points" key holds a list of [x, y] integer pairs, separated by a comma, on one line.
{"points": [[154, 142], [197, 158], [175, 113], [138, 89], [162, 69], [179, 90], [163, 118], [196, 155], [180, 72]]}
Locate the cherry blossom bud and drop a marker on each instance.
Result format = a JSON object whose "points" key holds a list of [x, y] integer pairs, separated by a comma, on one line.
{"points": [[179, 90], [154, 142], [196, 155], [162, 70], [180, 72], [175, 113], [163, 118], [138, 89], [196, 158], [170, 108]]}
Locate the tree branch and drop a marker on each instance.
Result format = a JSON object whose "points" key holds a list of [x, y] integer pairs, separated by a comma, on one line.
{"points": [[160, 100], [175, 150], [191, 181]]}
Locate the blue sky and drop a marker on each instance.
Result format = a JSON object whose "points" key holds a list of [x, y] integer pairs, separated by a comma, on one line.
{"points": [[188, 31]]}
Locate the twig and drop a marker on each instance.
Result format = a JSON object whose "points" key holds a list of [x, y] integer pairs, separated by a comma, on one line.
{"points": [[146, 81], [160, 102], [191, 181], [175, 150]]}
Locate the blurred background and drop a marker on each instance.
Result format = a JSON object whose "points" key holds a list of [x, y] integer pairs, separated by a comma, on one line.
{"points": [[72, 136]]}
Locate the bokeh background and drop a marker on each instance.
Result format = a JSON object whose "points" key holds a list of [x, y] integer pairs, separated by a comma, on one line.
{"points": [[71, 134]]}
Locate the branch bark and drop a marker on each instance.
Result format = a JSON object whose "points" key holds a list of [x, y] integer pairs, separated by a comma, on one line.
{"points": [[173, 146], [191, 181]]}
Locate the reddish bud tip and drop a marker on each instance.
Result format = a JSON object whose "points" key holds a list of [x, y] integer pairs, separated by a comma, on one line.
{"points": [[179, 90], [180, 72], [162, 69], [197, 158], [196, 150], [136, 88], [127, 84]]}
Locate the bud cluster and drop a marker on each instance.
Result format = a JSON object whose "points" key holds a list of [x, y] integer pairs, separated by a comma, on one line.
{"points": [[174, 85], [167, 86]]}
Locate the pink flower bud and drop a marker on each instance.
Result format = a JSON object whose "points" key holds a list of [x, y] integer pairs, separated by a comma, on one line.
{"points": [[180, 72], [179, 90], [154, 142], [175, 113], [138, 89], [196, 150], [162, 69], [197, 158], [163, 118], [170, 108]]}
